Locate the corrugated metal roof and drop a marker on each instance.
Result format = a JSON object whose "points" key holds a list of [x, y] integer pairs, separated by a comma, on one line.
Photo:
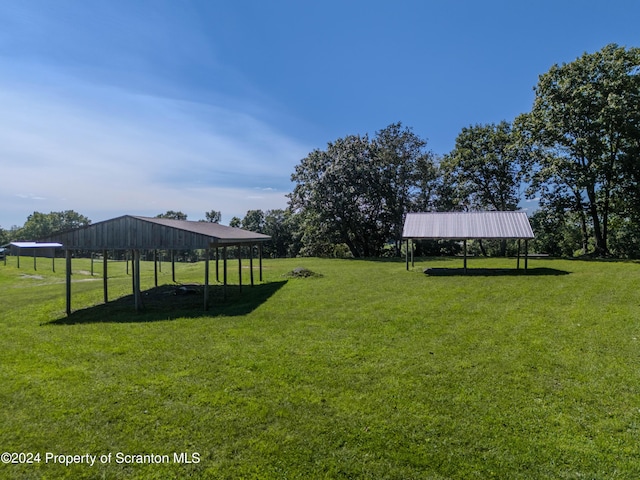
{"points": [[467, 225], [131, 232], [35, 245], [215, 230]]}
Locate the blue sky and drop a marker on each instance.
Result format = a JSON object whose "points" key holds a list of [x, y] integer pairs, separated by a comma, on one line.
{"points": [[137, 107]]}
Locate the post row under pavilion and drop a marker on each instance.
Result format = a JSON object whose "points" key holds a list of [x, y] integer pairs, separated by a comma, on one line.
{"points": [[135, 233]]}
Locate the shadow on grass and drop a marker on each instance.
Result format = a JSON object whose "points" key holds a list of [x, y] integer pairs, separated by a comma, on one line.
{"points": [[168, 302], [492, 272]]}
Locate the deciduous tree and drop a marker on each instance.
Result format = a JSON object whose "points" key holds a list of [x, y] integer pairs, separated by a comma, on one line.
{"points": [[586, 116], [485, 167], [358, 190]]}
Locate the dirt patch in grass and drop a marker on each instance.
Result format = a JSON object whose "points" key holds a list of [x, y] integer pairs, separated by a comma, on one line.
{"points": [[37, 277], [301, 272]]}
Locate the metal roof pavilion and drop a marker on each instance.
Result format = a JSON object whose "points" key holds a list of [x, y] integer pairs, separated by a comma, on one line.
{"points": [[466, 226]]}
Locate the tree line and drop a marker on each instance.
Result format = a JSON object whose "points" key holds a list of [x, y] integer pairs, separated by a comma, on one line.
{"points": [[576, 152], [277, 223]]}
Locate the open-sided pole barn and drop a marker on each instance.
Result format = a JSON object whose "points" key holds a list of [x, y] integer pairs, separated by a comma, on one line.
{"points": [[133, 234], [36, 249], [463, 226]]}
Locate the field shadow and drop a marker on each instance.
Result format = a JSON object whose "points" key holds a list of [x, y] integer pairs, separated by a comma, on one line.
{"points": [[493, 272], [168, 302]]}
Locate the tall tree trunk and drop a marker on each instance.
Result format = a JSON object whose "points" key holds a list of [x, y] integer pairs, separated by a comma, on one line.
{"points": [[583, 222], [484, 252], [350, 243], [601, 246]]}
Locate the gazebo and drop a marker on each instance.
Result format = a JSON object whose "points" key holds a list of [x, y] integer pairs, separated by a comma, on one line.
{"points": [[135, 233], [463, 226]]}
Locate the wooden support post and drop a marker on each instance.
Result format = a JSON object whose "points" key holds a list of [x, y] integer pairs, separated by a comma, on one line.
{"points": [[260, 255], [465, 256], [92, 264], [35, 267], [67, 255], [104, 276], [53, 260], [526, 254], [217, 262], [413, 264], [160, 261], [224, 271], [155, 268], [136, 275], [173, 266], [206, 280], [126, 257], [239, 249], [518, 263], [133, 274], [406, 254], [251, 263]]}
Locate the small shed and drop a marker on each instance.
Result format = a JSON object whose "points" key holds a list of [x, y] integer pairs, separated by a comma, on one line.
{"points": [[465, 226], [32, 249], [136, 233]]}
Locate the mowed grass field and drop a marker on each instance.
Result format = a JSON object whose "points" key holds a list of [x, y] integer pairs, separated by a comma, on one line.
{"points": [[369, 371]]}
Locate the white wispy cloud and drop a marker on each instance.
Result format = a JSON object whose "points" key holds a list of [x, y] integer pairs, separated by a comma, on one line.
{"points": [[105, 151], [109, 110]]}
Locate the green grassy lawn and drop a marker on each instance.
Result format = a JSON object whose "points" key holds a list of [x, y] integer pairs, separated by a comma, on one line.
{"points": [[368, 371]]}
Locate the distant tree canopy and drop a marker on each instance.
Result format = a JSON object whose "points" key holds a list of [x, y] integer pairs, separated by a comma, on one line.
{"points": [[173, 215], [280, 225], [577, 152], [4, 236], [213, 216], [39, 225]]}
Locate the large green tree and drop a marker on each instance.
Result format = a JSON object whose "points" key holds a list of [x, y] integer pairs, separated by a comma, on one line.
{"points": [[282, 226], [337, 195], [253, 221], [484, 168], [483, 171], [357, 191], [406, 170], [585, 119]]}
